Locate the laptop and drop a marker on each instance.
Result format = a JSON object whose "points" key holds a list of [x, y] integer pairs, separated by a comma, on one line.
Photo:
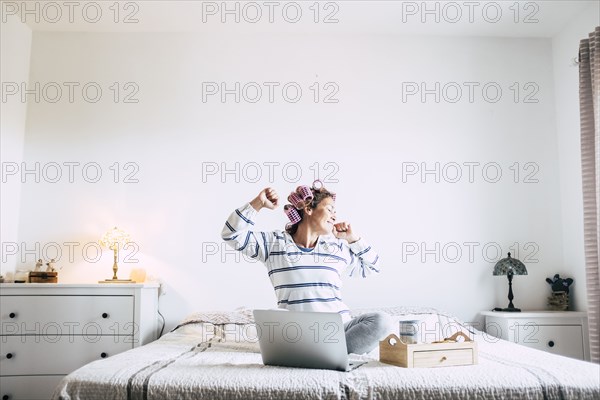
{"points": [[303, 339]]}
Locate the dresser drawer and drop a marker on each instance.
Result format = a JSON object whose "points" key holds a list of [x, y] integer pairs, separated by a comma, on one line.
{"points": [[560, 332], [52, 315], [38, 355], [565, 340], [442, 358], [28, 387]]}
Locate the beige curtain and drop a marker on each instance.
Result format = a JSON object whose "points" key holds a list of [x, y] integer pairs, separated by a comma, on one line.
{"points": [[589, 103]]}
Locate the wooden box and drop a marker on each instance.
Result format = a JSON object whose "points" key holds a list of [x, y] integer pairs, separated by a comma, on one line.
{"points": [[424, 355], [43, 277]]}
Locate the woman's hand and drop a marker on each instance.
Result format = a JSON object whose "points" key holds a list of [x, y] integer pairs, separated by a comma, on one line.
{"points": [[343, 230], [267, 198]]}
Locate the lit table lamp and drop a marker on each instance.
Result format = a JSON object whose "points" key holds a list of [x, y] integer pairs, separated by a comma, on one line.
{"points": [[113, 239], [509, 266]]}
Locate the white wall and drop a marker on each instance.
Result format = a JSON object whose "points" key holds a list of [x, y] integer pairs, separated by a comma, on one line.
{"points": [[170, 134], [565, 47], [14, 69]]}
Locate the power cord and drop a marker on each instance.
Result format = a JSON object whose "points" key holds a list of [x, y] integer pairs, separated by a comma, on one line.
{"points": [[161, 292], [163, 323]]}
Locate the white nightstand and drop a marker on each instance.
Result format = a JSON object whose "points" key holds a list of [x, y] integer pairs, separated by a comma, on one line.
{"points": [[559, 332], [49, 330]]}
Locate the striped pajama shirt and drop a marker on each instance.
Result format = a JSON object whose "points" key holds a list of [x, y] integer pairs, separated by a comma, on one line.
{"points": [[303, 279]]}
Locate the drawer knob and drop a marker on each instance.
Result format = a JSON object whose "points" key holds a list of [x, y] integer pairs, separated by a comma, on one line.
{"points": [[6, 397], [104, 315], [443, 359], [551, 343], [12, 315], [103, 355], [9, 356]]}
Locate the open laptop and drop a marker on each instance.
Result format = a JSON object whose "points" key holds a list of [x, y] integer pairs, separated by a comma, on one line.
{"points": [[303, 339]]}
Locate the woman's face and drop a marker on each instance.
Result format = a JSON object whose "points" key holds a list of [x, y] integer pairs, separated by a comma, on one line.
{"points": [[322, 218]]}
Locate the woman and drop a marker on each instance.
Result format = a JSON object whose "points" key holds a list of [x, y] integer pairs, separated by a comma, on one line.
{"points": [[305, 262]]}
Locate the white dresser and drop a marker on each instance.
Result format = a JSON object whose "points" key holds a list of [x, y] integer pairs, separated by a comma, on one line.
{"points": [[49, 330], [559, 332]]}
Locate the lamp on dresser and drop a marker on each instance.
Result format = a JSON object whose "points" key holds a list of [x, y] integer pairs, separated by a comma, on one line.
{"points": [[114, 239], [509, 266]]}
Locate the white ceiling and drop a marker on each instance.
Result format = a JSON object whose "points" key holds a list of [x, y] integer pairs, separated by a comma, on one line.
{"points": [[376, 17]]}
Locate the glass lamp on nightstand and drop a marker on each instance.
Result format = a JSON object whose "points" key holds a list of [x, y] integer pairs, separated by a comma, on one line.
{"points": [[509, 266], [113, 239]]}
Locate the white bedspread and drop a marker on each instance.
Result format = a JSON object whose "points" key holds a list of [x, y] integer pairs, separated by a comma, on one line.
{"points": [[178, 366]]}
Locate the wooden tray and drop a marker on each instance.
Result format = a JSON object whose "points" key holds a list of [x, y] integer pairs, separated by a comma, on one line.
{"points": [[426, 355]]}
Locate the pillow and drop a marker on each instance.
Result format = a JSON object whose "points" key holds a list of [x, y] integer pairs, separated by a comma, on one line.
{"points": [[233, 326], [240, 315]]}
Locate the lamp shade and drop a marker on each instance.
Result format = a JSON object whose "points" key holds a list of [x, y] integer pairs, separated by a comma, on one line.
{"points": [[115, 238], [511, 266]]}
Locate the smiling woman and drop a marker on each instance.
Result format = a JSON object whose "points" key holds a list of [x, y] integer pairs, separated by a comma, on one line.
{"points": [[306, 261]]}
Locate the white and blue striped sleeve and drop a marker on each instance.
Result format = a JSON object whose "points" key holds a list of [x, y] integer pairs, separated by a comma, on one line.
{"points": [[363, 259], [238, 234]]}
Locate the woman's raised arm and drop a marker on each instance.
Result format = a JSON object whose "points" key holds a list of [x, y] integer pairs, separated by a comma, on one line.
{"points": [[237, 230]]}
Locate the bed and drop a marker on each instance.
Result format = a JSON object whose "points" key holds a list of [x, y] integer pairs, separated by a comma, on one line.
{"points": [[216, 356]]}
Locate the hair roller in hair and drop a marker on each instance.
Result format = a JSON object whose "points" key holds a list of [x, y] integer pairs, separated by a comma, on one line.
{"points": [[305, 193], [292, 214], [318, 181], [296, 200]]}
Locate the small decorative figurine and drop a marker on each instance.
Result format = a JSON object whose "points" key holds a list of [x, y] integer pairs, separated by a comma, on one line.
{"points": [[38, 265], [51, 265], [559, 284], [559, 299]]}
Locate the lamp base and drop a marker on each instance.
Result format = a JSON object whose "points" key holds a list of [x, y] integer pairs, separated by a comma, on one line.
{"points": [[117, 281], [507, 309]]}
